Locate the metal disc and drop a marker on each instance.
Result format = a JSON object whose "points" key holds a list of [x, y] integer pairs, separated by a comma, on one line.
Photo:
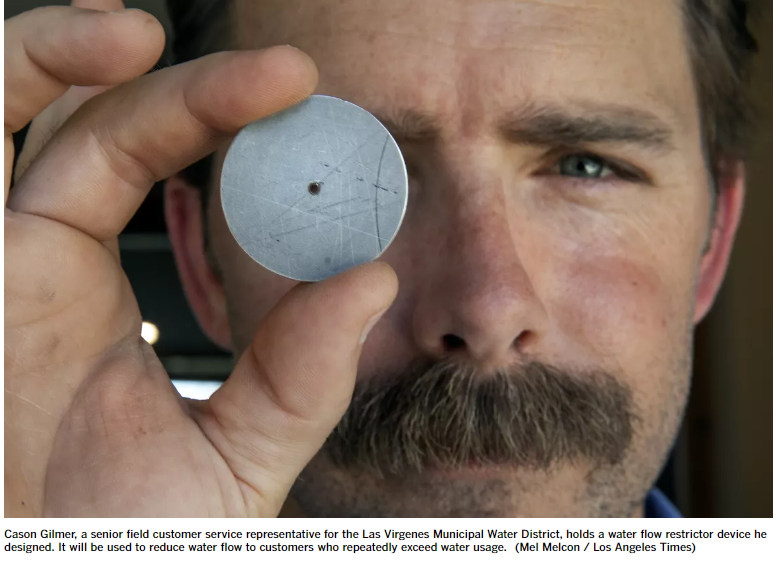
{"points": [[315, 189]]}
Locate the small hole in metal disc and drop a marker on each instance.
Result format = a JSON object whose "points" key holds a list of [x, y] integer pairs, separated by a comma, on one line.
{"points": [[314, 187]]}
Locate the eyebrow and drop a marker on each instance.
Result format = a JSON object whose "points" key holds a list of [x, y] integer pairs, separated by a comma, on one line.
{"points": [[575, 125], [549, 125], [409, 125]]}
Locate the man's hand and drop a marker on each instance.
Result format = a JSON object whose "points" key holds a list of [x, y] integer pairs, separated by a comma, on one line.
{"points": [[93, 426]]}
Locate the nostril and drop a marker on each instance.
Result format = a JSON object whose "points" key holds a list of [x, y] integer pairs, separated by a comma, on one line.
{"points": [[452, 342], [523, 339]]}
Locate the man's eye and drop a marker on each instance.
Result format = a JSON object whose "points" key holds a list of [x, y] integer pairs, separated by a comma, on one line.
{"points": [[583, 166]]}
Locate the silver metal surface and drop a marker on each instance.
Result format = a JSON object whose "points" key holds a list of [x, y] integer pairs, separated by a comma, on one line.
{"points": [[314, 190]]}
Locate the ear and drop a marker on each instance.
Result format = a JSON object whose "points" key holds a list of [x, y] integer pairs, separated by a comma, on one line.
{"points": [[184, 216], [712, 269]]}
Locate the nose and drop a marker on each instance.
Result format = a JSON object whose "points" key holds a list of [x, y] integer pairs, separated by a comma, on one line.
{"points": [[478, 302]]}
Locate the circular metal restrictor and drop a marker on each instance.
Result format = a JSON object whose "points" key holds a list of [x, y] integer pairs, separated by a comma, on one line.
{"points": [[315, 189]]}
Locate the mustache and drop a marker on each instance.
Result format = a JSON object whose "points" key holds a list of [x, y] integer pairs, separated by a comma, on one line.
{"points": [[445, 415]]}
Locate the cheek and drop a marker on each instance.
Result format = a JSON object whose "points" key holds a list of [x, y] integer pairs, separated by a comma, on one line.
{"points": [[613, 304], [617, 278], [636, 321], [630, 319]]}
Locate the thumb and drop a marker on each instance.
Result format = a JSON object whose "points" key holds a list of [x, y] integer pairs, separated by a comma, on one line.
{"points": [[294, 382]]}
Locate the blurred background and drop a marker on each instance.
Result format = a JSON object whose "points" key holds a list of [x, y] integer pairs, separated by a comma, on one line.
{"points": [[722, 463]]}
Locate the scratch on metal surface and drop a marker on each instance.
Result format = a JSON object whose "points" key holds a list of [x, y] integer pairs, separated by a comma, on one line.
{"points": [[355, 198], [335, 222], [338, 166], [264, 228], [279, 234], [376, 192]]}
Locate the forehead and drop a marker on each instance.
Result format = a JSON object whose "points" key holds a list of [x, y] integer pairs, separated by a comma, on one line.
{"points": [[474, 58]]}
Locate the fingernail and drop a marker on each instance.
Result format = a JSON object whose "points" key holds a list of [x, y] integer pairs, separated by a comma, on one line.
{"points": [[369, 325]]}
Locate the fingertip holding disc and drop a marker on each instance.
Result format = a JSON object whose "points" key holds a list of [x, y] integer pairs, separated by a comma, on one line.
{"points": [[315, 189]]}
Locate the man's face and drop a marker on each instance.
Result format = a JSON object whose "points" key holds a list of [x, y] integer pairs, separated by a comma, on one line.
{"points": [[558, 213]]}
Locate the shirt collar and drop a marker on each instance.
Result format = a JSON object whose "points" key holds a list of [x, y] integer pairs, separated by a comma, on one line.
{"points": [[658, 505]]}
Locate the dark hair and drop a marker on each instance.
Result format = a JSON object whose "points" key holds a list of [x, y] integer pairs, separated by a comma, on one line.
{"points": [[720, 46], [719, 43]]}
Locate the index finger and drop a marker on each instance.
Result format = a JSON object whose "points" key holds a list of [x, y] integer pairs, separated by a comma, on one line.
{"points": [[108, 155], [49, 49]]}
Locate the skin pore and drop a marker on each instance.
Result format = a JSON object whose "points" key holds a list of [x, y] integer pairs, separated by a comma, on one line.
{"points": [[559, 214]]}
